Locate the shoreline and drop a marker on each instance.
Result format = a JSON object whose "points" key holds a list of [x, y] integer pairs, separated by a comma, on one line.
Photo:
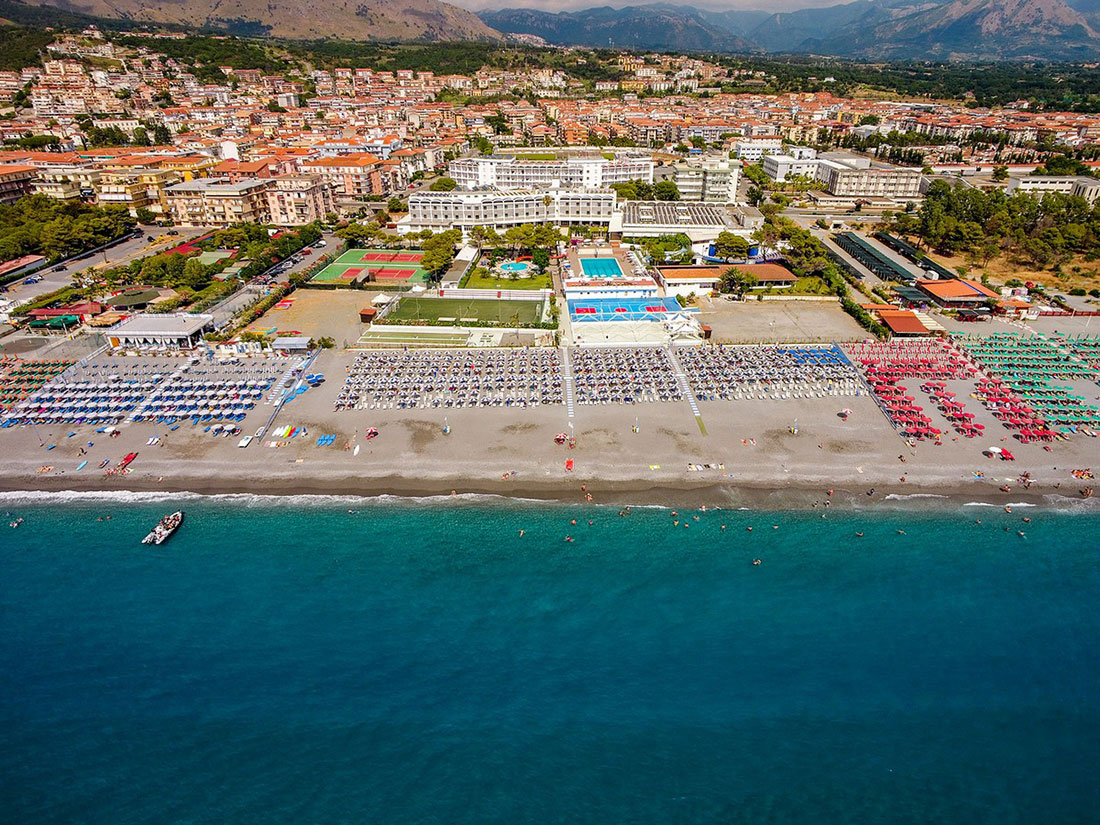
{"points": [[621, 493]]}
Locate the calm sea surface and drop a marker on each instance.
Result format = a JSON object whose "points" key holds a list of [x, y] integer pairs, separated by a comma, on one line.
{"points": [[423, 663]]}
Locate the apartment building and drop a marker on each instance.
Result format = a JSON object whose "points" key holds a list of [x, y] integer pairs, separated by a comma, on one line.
{"points": [[350, 175], [68, 182], [846, 175], [858, 177], [712, 181], [216, 201], [504, 209], [507, 172], [295, 200], [136, 188], [753, 149], [16, 180], [801, 160], [1081, 186]]}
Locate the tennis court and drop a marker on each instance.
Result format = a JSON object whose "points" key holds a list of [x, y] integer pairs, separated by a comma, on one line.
{"points": [[381, 256], [349, 272], [623, 309], [465, 310]]}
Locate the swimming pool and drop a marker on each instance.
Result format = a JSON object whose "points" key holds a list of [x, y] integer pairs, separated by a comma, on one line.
{"points": [[601, 268], [519, 267]]}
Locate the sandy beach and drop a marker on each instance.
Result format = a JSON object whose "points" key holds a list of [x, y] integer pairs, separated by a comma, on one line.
{"points": [[747, 455]]}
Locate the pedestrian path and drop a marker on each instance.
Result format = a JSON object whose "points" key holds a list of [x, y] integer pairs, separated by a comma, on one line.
{"points": [[685, 387], [568, 383]]}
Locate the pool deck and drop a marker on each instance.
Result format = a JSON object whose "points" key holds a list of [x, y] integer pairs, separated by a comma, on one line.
{"points": [[600, 253]]}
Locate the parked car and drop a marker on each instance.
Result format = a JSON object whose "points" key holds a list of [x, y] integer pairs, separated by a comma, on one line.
{"points": [[33, 279], [59, 268]]}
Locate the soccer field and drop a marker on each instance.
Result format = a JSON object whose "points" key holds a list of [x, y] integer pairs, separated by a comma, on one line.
{"points": [[458, 310]]}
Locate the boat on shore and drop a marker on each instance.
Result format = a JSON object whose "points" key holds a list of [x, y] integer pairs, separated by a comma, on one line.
{"points": [[164, 529]]}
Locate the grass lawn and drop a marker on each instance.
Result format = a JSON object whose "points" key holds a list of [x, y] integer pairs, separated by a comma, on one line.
{"points": [[492, 282], [430, 310]]}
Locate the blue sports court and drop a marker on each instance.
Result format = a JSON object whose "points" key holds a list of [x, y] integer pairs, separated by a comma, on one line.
{"points": [[601, 268], [623, 309]]}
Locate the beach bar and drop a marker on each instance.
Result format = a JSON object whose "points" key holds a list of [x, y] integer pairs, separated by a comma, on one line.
{"points": [[178, 331]]}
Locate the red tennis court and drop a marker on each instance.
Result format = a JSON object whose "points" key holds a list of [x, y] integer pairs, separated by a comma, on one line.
{"points": [[378, 256], [390, 274], [352, 274], [408, 258]]}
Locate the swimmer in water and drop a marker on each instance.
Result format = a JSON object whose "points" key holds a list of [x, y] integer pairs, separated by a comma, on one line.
{"points": [[724, 527], [521, 532], [859, 535], [755, 562], [901, 532], [1027, 520], [574, 521], [568, 538]]}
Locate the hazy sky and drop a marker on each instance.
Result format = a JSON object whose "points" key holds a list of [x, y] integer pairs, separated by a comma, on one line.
{"points": [[719, 5]]}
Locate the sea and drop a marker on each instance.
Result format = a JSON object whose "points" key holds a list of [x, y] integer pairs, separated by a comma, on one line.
{"points": [[343, 660]]}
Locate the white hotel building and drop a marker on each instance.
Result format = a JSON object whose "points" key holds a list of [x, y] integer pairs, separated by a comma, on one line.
{"points": [[505, 172], [440, 211]]}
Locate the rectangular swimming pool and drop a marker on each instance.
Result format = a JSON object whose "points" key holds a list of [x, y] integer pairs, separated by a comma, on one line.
{"points": [[601, 268]]}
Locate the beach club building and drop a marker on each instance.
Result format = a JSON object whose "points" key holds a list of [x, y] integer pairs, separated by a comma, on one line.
{"points": [[956, 292], [684, 280], [178, 331]]}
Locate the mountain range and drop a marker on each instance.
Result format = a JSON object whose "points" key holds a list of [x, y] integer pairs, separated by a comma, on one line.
{"points": [[407, 20], [871, 29], [868, 29]]}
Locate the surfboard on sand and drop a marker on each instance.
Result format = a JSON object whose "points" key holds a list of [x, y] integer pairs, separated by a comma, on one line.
{"points": [[356, 450]]}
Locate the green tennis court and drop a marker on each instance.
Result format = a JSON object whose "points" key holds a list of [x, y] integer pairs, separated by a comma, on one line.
{"points": [[470, 310]]}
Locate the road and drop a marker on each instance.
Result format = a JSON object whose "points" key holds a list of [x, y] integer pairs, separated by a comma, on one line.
{"points": [[119, 254]]}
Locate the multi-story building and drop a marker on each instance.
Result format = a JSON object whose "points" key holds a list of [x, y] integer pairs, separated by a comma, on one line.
{"points": [[16, 180], [68, 182], [858, 177], [507, 172], [504, 209], [295, 200], [136, 188], [1081, 186], [800, 161], [714, 181], [753, 149], [216, 201], [350, 175]]}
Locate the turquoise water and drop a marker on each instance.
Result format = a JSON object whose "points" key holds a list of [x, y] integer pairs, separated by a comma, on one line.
{"points": [[423, 663], [515, 266], [600, 268]]}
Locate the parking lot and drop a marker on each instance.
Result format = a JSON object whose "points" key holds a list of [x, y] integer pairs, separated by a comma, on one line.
{"points": [[752, 321]]}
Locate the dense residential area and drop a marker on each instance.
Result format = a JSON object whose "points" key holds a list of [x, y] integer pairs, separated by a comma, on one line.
{"points": [[685, 165]]}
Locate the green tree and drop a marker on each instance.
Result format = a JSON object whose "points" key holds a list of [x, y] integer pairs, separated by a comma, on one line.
{"points": [[443, 184], [731, 247], [541, 258], [736, 281], [666, 190], [1000, 173]]}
